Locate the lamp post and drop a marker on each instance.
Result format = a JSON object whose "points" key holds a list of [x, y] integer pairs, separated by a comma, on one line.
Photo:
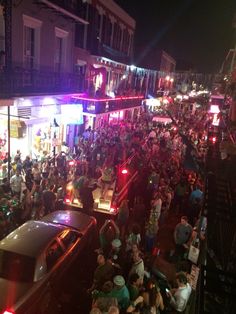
{"points": [[55, 128]]}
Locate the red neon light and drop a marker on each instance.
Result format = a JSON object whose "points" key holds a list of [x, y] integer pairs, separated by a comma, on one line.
{"points": [[108, 99], [67, 201], [124, 171], [213, 139], [71, 163], [8, 312]]}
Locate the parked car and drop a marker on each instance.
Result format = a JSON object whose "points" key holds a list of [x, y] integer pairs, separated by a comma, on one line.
{"points": [[35, 258]]}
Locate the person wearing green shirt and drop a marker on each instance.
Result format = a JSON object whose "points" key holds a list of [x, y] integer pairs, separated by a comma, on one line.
{"points": [[120, 292], [133, 286]]}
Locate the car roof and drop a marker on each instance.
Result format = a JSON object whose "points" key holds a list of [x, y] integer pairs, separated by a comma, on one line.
{"points": [[70, 218], [30, 238]]}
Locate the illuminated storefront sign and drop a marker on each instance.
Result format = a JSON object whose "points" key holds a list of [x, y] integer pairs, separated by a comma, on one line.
{"points": [[72, 114]]}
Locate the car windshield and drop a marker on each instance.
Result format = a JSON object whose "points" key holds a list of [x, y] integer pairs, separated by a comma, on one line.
{"points": [[16, 267]]}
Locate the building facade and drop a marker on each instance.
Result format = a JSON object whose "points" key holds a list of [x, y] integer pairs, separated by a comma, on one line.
{"points": [[65, 66]]}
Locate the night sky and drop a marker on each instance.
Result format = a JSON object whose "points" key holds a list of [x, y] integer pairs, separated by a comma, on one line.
{"points": [[196, 33]]}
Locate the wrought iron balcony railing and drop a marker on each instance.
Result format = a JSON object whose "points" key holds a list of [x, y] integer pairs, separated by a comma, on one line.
{"points": [[21, 81]]}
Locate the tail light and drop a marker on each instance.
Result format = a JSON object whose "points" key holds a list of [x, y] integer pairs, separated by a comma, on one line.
{"points": [[213, 139], [124, 171], [8, 312]]}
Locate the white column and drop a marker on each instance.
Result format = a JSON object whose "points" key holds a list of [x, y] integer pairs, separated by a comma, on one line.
{"points": [[122, 27], [131, 34], [113, 20], [101, 12]]}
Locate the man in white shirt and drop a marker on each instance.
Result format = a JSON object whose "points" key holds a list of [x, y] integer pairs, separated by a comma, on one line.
{"points": [[157, 204], [179, 297], [16, 184], [138, 266]]}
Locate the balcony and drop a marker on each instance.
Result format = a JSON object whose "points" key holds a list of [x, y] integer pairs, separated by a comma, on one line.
{"points": [[105, 105], [21, 81]]}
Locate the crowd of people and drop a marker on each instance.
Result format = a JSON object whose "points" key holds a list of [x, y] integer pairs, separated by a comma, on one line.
{"points": [[125, 279], [170, 159]]}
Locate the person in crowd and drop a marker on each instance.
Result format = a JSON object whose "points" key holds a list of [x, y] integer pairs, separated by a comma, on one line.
{"points": [[16, 184], [102, 299], [26, 203], [86, 196], [196, 193], [182, 234], [133, 237], [194, 210], [4, 171], [157, 204], [29, 179], [95, 310], [36, 172], [151, 230], [27, 164], [106, 178], [103, 273], [123, 217], [113, 310], [108, 232], [116, 256], [18, 155], [152, 298], [5, 186], [49, 200], [37, 201], [180, 194], [136, 306], [133, 286], [120, 292], [137, 266], [179, 297]]}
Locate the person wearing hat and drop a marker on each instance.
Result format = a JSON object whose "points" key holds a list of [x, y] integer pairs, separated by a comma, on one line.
{"points": [[120, 292], [117, 256]]}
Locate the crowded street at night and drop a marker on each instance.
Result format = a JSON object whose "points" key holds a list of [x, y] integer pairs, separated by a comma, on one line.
{"points": [[117, 157]]}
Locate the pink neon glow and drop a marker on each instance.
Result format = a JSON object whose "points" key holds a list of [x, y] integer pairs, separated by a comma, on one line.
{"points": [[108, 99]]}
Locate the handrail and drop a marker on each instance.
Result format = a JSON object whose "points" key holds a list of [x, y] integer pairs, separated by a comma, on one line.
{"points": [[233, 140]]}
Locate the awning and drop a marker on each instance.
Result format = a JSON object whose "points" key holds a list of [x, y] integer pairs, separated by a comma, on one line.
{"points": [[65, 12]]}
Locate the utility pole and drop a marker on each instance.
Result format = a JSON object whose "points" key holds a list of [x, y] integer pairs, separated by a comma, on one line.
{"points": [[7, 11]]}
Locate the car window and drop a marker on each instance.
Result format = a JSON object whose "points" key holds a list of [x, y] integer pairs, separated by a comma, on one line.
{"points": [[69, 237], [53, 253], [16, 267]]}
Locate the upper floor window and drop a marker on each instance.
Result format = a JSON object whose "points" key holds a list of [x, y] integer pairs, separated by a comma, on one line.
{"points": [[60, 49], [31, 42]]}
